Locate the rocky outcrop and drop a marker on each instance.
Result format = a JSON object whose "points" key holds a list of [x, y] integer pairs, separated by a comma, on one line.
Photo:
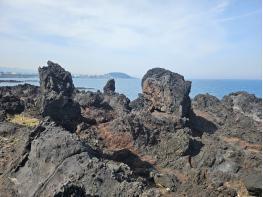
{"points": [[103, 107], [109, 88], [57, 88], [11, 104], [247, 104], [26, 94], [160, 144], [230, 115], [167, 91], [56, 163]]}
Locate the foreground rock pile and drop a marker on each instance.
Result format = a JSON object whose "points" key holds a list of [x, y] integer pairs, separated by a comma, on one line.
{"points": [[101, 144]]}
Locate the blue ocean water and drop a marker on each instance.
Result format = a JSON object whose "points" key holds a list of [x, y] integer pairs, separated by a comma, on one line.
{"points": [[131, 87]]}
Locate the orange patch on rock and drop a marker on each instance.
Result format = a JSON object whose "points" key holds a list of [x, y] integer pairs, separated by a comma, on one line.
{"points": [[115, 140], [123, 140]]}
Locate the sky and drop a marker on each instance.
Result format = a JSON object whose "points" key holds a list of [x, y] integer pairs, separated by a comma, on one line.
{"points": [[208, 39]]}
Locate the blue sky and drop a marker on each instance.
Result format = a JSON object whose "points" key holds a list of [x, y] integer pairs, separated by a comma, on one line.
{"points": [[197, 38]]}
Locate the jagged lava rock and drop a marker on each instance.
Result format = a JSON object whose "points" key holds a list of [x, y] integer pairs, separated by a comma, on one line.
{"points": [[55, 78], [56, 160], [167, 91], [245, 103], [109, 87], [11, 104], [56, 95], [26, 93]]}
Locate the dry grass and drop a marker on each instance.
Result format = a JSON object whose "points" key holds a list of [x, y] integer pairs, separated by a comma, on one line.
{"points": [[23, 120]]}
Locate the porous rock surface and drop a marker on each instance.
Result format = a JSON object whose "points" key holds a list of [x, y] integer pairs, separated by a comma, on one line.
{"points": [[167, 91], [110, 86], [160, 144], [56, 89]]}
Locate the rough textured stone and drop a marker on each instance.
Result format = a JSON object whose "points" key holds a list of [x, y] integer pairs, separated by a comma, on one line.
{"points": [[167, 91], [253, 182], [56, 95], [153, 146], [109, 88], [56, 163], [170, 182], [11, 104], [2, 115], [55, 78]]}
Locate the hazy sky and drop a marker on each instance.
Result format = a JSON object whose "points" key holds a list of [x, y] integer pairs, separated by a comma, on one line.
{"points": [[197, 38]]}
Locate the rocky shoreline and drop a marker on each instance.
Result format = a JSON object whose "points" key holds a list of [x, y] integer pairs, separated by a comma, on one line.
{"points": [[83, 143]]}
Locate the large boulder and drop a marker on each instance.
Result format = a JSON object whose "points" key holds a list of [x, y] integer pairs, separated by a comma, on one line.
{"points": [[109, 87], [57, 95], [55, 78], [167, 91]]}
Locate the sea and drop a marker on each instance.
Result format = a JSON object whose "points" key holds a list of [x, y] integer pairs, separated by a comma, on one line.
{"points": [[132, 87]]}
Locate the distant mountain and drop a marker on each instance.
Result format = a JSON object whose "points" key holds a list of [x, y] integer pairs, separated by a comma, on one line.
{"points": [[107, 76], [9, 72], [17, 70], [117, 75]]}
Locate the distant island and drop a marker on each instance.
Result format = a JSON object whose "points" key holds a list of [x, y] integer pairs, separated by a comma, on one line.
{"points": [[106, 76], [19, 73]]}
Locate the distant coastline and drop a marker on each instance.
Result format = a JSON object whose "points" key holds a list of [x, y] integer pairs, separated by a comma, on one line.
{"points": [[103, 76], [106, 76]]}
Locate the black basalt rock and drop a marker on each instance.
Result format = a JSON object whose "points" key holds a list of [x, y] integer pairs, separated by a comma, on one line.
{"points": [[109, 87], [167, 91], [11, 104], [57, 88]]}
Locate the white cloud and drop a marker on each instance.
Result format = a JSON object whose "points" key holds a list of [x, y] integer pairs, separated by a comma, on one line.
{"points": [[113, 24], [156, 31]]}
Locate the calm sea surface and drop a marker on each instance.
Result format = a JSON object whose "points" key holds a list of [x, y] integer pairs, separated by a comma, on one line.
{"points": [[131, 87]]}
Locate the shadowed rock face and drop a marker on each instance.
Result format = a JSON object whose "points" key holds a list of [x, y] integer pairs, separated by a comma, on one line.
{"points": [[55, 78], [56, 88], [109, 87], [11, 104], [167, 91]]}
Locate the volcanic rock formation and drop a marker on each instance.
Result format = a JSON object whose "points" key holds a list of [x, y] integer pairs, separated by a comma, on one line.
{"points": [[160, 144], [57, 88], [110, 86], [167, 91]]}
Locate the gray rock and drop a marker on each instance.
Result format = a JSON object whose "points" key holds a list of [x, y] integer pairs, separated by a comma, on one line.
{"points": [[56, 96], [109, 88], [167, 91], [177, 144], [27, 94], [253, 183], [89, 99], [55, 78], [11, 104], [169, 181], [2, 115], [58, 163], [245, 103]]}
